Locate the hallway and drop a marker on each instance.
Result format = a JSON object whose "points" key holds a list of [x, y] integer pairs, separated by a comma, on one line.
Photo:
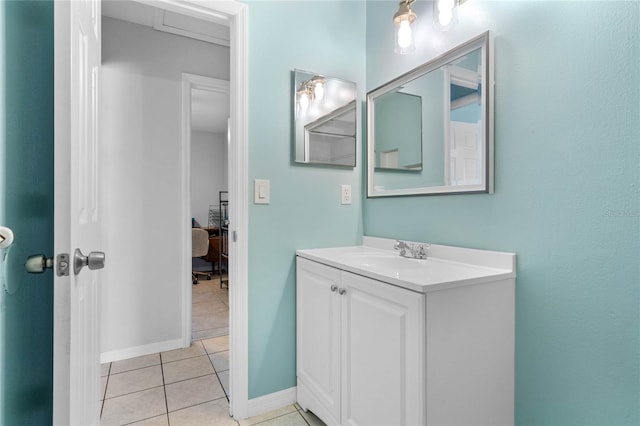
{"points": [[209, 309]]}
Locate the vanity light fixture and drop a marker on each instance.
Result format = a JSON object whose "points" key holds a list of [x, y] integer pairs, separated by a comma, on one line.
{"points": [[403, 21], [310, 90]]}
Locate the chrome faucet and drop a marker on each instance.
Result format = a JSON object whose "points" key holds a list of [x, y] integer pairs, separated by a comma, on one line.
{"points": [[416, 251]]}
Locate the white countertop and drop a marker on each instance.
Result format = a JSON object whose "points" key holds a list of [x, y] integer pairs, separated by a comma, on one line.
{"points": [[445, 266]]}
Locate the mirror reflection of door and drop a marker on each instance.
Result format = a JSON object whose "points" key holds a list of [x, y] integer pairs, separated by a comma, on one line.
{"points": [[463, 122]]}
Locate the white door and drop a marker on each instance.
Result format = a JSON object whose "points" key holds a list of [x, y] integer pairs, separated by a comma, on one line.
{"points": [[77, 211], [465, 153], [318, 334], [382, 373]]}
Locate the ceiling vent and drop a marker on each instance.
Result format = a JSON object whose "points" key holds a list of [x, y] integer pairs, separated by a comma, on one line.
{"points": [[188, 26]]}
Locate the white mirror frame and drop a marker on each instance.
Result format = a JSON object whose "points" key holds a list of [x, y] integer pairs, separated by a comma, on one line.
{"points": [[483, 41]]}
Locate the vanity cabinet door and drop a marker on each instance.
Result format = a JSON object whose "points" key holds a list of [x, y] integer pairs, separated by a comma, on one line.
{"points": [[318, 339], [383, 345]]}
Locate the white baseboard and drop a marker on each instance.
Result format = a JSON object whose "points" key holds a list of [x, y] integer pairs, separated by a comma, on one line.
{"points": [[135, 351], [271, 402]]}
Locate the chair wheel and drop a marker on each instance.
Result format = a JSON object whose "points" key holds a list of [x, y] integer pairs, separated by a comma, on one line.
{"points": [[208, 277], [195, 281]]}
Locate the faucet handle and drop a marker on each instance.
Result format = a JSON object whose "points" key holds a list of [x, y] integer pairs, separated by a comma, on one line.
{"points": [[422, 250], [402, 246]]}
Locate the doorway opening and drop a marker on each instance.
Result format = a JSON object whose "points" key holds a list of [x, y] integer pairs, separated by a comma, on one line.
{"points": [[172, 20], [206, 135]]}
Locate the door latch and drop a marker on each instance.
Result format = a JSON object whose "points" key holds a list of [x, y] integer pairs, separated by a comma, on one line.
{"points": [[38, 263]]}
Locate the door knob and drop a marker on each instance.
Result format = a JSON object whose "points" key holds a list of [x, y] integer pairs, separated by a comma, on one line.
{"points": [[94, 260]]}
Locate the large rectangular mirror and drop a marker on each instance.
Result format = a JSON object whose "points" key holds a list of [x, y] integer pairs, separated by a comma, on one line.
{"points": [[430, 131], [324, 116]]}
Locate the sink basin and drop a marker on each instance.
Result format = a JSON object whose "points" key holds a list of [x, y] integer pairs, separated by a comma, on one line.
{"points": [[444, 267], [385, 261]]}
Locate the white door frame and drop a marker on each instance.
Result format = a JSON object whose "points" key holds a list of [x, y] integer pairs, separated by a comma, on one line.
{"points": [[231, 13], [189, 82]]}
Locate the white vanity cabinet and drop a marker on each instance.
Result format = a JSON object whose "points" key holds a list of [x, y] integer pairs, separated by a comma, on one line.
{"points": [[385, 340], [360, 348]]}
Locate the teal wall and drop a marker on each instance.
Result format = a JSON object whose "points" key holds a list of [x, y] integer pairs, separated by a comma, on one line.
{"points": [[26, 206], [567, 193], [327, 37]]}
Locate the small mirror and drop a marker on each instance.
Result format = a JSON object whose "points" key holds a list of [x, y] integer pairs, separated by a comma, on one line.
{"points": [[430, 131], [324, 116]]}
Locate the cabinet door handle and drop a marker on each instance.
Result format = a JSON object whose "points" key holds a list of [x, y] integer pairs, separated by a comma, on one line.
{"points": [[342, 291], [334, 287]]}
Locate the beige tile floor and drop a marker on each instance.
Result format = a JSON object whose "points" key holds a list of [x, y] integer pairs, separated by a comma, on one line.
{"points": [[209, 309], [185, 386], [181, 387]]}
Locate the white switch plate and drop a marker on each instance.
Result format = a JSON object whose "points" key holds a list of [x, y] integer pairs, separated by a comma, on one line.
{"points": [[345, 194], [262, 191]]}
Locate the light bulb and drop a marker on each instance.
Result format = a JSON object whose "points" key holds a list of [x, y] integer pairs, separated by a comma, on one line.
{"points": [[405, 36], [444, 5], [303, 101], [444, 17], [318, 92], [402, 20]]}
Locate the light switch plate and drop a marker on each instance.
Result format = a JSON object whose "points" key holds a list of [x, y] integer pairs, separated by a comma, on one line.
{"points": [[262, 191], [345, 194]]}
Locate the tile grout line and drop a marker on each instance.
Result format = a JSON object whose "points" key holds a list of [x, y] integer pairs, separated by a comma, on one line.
{"points": [[218, 377], [133, 369], [104, 395], [132, 392], [164, 389]]}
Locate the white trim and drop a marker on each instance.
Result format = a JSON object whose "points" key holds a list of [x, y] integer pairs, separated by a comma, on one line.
{"points": [[135, 351], [272, 401], [235, 13], [206, 83], [239, 212], [185, 200], [190, 81], [446, 125]]}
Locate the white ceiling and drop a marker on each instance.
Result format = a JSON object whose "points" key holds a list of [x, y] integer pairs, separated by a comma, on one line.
{"points": [[209, 109]]}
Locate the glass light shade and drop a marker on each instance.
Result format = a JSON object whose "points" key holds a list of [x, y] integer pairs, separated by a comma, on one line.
{"points": [[445, 13], [403, 21], [404, 38]]}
